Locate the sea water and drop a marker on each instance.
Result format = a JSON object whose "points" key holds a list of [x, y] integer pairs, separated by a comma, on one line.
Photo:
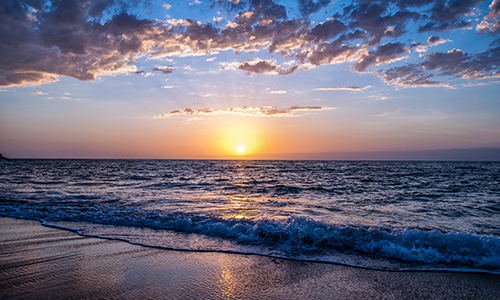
{"points": [[394, 215]]}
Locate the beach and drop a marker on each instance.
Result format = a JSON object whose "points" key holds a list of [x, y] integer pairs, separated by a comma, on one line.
{"points": [[38, 262]]}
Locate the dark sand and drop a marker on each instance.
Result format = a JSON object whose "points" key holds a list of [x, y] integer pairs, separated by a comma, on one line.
{"points": [[37, 262]]}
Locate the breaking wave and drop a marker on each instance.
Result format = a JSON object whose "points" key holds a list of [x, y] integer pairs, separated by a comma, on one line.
{"points": [[293, 237]]}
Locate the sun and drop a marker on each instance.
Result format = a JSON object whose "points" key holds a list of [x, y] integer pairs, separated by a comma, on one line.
{"points": [[240, 149]]}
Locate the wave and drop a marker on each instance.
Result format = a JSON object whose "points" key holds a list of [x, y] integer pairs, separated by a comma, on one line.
{"points": [[295, 237]]}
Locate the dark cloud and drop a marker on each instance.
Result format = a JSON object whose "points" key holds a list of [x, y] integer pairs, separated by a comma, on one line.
{"points": [[457, 63], [435, 40], [326, 53], [287, 71], [61, 39], [41, 39], [25, 78], [326, 31], [266, 67], [491, 21], [307, 7], [449, 62], [376, 19], [454, 63], [451, 10], [408, 76], [447, 15], [261, 9], [384, 54], [163, 70], [258, 68]]}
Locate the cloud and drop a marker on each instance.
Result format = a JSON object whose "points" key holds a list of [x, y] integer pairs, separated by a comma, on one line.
{"points": [[431, 41], [39, 93], [255, 111], [61, 40], [491, 21], [453, 63], [307, 7], [385, 54], [266, 67], [163, 69], [167, 87], [378, 20], [436, 40], [21, 78], [344, 88], [86, 39], [409, 76], [447, 15], [278, 92], [457, 63]]}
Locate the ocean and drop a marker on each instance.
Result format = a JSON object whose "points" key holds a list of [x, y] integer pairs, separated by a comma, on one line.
{"points": [[390, 215]]}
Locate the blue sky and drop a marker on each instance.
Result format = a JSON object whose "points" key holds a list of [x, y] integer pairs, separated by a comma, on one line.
{"points": [[198, 79]]}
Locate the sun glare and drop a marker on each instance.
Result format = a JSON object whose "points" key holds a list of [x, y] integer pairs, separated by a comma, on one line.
{"points": [[240, 149]]}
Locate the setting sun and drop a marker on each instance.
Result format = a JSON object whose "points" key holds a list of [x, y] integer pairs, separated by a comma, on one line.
{"points": [[240, 149]]}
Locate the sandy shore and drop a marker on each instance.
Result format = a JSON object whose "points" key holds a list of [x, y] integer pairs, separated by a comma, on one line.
{"points": [[37, 262]]}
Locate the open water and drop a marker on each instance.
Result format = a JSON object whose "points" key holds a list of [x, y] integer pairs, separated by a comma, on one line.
{"points": [[373, 214]]}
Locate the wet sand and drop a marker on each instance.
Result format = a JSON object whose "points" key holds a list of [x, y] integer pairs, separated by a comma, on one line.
{"points": [[38, 262]]}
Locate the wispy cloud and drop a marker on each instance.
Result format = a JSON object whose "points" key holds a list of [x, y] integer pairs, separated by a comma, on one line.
{"points": [[344, 88], [256, 111], [39, 93], [164, 69]]}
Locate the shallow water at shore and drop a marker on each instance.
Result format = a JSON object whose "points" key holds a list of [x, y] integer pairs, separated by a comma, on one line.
{"points": [[43, 263]]}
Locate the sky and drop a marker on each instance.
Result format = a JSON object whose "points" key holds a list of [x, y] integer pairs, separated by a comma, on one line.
{"points": [[237, 79]]}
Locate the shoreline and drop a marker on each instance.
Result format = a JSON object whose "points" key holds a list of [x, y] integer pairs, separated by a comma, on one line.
{"points": [[48, 263], [230, 252]]}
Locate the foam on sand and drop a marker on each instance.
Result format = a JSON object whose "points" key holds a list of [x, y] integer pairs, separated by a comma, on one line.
{"points": [[56, 264]]}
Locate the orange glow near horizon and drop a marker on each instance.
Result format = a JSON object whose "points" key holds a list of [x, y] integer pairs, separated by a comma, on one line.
{"points": [[239, 140]]}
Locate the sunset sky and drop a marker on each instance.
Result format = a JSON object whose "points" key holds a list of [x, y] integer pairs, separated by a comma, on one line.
{"points": [[269, 79]]}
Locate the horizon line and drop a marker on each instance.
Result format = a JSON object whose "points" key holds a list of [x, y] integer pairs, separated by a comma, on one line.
{"points": [[452, 154]]}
